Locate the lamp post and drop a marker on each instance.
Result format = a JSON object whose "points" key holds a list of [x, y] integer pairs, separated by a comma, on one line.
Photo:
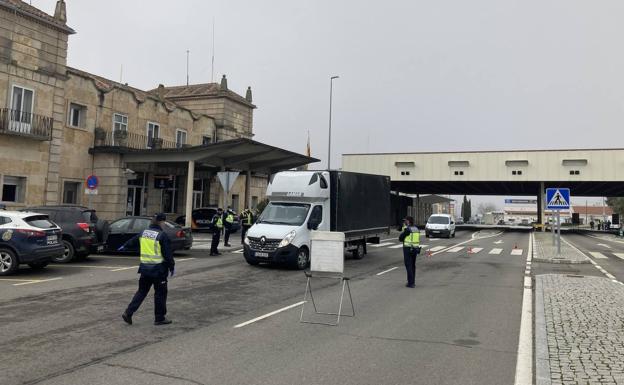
{"points": [[331, 84]]}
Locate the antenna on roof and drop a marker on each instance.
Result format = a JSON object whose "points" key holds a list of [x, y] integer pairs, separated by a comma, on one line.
{"points": [[121, 73], [187, 66], [213, 50]]}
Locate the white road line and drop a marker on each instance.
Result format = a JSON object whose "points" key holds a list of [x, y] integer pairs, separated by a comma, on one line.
{"points": [[603, 245], [396, 246], [498, 242], [524, 364], [387, 271], [598, 255], [516, 252], [475, 250], [455, 249], [437, 248], [239, 251], [495, 251], [87, 266], [200, 247], [619, 255], [269, 314], [383, 244], [184, 259], [597, 266], [37, 281], [434, 239], [610, 276], [125, 268]]}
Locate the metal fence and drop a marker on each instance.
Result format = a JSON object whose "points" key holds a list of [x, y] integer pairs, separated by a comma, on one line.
{"points": [[15, 122], [132, 140]]}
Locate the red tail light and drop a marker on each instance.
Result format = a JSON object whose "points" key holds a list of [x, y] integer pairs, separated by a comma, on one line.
{"points": [[180, 234], [31, 233], [84, 226]]}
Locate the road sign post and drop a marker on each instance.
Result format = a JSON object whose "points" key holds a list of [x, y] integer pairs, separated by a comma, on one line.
{"points": [[557, 199]]}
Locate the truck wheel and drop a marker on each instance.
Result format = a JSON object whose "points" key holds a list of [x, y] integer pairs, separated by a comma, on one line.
{"points": [[358, 253], [68, 253], [8, 262], [303, 259], [38, 265]]}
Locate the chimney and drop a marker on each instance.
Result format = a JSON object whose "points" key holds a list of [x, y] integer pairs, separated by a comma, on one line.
{"points": [[223, 83], [248, 95], [161, 91], [60, 13]]}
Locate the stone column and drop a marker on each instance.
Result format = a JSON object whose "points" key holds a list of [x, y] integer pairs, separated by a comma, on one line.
{"points": [[189, 192], [53, 187], [540, 204], [247, 202]]}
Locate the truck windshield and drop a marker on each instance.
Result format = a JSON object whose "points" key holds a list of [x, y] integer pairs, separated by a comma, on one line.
{"points": [[285, 214], [438, 220]]}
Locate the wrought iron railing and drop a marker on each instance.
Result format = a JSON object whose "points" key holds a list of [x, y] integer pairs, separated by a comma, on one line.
{"points": [[15, 122], [132, 140]]}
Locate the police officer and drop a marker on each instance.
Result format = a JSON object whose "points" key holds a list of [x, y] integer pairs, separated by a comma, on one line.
{"points": [[411, 247], [247, 220], [217, 227], [156, 264], [228, 221]]}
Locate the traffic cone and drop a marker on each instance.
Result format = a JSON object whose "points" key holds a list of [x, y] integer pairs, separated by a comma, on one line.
{"points": [[515, 245], [469, 249], [428, 253]]}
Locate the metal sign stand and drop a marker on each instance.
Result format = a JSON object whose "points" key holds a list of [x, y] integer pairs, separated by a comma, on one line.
{"points": [[557, 199], [345, 284]]}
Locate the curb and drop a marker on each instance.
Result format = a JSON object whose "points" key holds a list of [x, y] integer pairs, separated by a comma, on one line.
{"points": [[542, 359], [561, 260]]}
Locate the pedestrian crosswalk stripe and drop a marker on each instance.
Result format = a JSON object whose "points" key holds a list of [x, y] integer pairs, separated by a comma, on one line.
{"points": [[239, 251], [396, 246], [200, 247], [383, 244], [434, 239], [437, 248], [516, 252], [455, 249], [496, 251], [475, 250], [619, 255], [598, 255]]}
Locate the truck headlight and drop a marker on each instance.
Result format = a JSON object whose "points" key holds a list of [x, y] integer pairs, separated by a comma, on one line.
{"points": [[247, 240], [287, 239]]}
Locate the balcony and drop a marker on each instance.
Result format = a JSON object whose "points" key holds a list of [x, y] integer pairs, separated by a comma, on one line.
{"points": [[125, 139], [19, 123]]}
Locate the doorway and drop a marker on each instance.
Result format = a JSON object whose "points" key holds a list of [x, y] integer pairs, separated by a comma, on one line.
{"points": [[136, 203]]}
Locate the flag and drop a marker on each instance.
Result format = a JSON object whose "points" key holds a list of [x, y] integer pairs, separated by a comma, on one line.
{"points": [[308, 152]]}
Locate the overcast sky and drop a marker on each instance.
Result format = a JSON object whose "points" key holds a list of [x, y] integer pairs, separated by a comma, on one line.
{"points": [[414, 75]]}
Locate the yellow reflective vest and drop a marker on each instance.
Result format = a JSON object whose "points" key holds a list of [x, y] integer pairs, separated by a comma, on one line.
{"points": [[229, 218], [219, 223], [150, 248], [413, 239]]}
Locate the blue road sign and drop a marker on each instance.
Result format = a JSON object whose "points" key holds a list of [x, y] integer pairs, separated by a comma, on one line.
{"points": [[558, 198], [92, 182]]}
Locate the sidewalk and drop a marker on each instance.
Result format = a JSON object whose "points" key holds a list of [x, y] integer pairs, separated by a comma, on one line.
{"points": [[579, 330], [545, 251]]}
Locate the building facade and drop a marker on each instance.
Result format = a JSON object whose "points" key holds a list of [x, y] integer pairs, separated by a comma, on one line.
{"points": [[54, 118]]}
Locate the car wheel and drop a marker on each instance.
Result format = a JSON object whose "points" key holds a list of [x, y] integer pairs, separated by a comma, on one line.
{"points": [[68, 253], [38, 265], [303, 259], [358, 253], [8, 262]]}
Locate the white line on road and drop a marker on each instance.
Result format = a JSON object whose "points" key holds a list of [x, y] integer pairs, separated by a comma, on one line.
{"points": [[597, 266], [498, 242], [474, 250], [524, 365], [603, 245], [495, 251], [455, 249], [269, 314], [619, 255], [239, 251], [516, 252], [437, 248], [598, 255], [125, 268], [387, 271], [37, 281], [383, 244], [397, 246]]}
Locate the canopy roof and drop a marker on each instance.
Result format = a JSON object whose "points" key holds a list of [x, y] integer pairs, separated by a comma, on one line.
{"points": [[236, 154]]}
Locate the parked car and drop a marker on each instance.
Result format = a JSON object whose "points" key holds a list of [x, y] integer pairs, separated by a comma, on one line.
{"points": [[202, 219], [440, 225], [123, 229], [83, 232], [27, 238]]}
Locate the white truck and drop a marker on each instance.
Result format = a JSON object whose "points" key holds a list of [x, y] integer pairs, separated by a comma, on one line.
{"points": [[303, 201]]}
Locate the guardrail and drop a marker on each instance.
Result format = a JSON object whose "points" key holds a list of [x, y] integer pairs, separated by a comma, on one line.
{"points": [[20, 123]]}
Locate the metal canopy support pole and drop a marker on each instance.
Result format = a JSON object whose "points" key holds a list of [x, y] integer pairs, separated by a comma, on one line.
{"points": [[189, 193], [540, 204], [247, 204], [558, 232]]}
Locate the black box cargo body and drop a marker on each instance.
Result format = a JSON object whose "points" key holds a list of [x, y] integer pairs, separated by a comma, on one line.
{"points": [[360, 203]]}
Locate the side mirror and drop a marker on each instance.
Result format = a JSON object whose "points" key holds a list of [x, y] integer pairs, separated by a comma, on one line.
{"points": [[313, 224]]}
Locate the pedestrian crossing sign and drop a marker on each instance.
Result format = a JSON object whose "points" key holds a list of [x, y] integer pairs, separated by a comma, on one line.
{"points": [[558, 198]]}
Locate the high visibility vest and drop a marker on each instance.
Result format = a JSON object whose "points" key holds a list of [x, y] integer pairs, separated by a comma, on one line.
{"points": [[229, 218], [413, 239], [248, 218], [150, 248], [219, 222]]}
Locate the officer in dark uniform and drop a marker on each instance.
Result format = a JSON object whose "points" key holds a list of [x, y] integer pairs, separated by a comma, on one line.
{"points": [[228, 221], [410, 236], [217, 227], [247, 220], [156, 264]]}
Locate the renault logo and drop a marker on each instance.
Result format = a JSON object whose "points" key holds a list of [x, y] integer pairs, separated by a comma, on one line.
{"points": [[262, 240]]}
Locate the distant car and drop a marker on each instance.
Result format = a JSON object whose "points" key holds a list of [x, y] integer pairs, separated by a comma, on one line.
{"points": [[123, 229], [29, 238], [440, 225], [459, 221], [83, 232], [202, 219]]}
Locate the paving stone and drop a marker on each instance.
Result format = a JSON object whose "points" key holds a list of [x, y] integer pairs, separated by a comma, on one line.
{"points": [[544, 251]]}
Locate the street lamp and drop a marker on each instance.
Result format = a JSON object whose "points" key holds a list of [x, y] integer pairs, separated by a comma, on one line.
{"points": [[331, 84]]}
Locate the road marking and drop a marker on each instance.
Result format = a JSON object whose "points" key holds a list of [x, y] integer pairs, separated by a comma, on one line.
{"points": [[37, 281], [239, 251], [437, 248], [619, 255], [603, 245], [269, 314], [516, 252], [396, 246], [455, 249], [201, 247], [524, 364], [596, 265], [383, 244], [434, 239], [87, 266], [495, 251], [125, 268], [387, 271], [598, 255], [185, 259], [475, 250], [498, 242]]}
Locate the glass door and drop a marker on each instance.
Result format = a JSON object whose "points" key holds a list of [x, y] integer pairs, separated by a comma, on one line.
{"points": [[21, 110]]}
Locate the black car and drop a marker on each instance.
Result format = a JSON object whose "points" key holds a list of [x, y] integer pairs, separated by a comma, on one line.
{"points": [[123, 229], [202, 219], [83, 232]]}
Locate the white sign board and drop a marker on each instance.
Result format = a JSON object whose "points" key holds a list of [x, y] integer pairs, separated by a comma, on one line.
{"points": [[227, 179], [91, 192], [327, 252]]}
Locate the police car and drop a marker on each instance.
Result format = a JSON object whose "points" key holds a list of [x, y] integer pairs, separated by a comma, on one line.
{"points": [[27, 238]]}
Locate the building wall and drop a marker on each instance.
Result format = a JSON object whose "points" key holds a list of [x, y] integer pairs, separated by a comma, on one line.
{"points": [[235, 120]]}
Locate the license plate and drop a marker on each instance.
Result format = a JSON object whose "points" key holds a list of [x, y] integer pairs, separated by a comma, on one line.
{"points": [[100, 248], [262, 255], [52, 239]]}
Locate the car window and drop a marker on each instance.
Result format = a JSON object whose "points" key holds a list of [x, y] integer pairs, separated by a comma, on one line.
{"points": [[89, 216], [40, 221], [172, 225], [4, 220], [120, 226], [317, 214], [139, 225], [438, 220]]}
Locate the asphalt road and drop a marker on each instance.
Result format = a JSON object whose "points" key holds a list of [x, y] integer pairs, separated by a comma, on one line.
{"points": [[458, 326]]}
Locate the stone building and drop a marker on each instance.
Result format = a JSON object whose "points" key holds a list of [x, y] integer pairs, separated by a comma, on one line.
{"points": [[59, 125]]}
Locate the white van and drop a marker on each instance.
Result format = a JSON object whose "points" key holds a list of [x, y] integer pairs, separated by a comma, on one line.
{"points": [[440, 225]]}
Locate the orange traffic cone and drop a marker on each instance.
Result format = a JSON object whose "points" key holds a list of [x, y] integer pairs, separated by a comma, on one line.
{"points": [[428, 253], [515, 245], [469, 249]]}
